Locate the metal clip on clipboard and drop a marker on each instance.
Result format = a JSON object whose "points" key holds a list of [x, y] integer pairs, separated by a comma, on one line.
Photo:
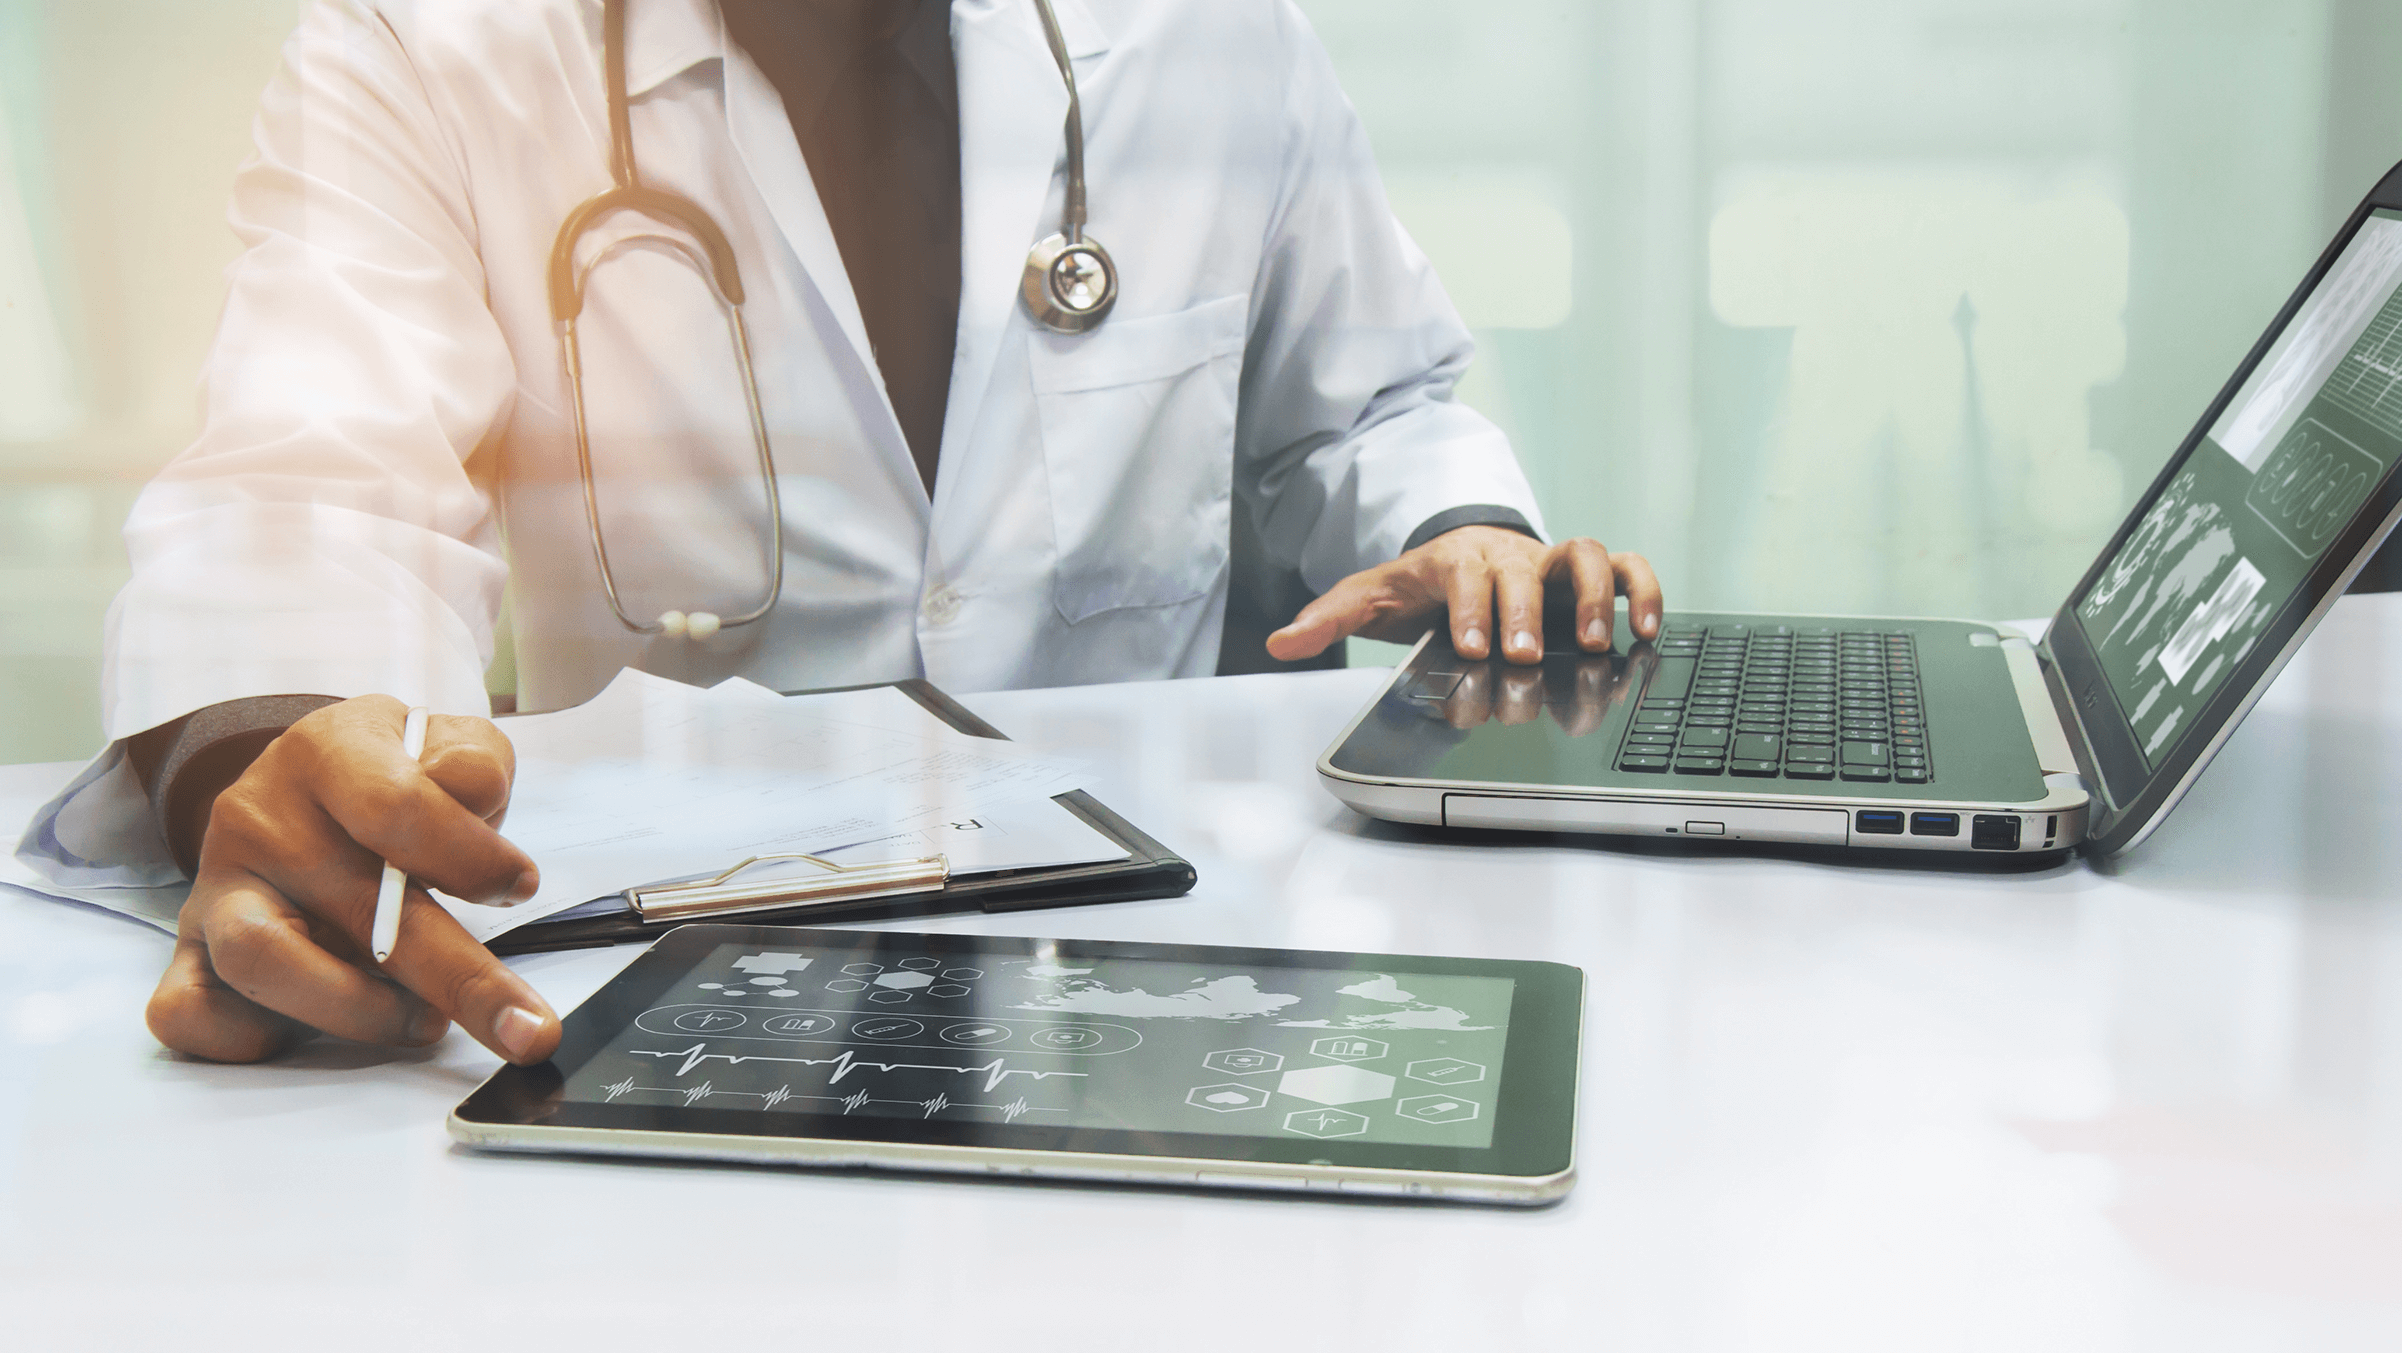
{"points": [[842, 883]]}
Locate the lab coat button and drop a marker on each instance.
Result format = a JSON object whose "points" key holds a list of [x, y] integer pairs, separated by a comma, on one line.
{"points": [[942, 604]]}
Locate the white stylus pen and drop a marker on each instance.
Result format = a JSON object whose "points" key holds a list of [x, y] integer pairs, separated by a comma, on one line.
{"points": [[387, 897]]}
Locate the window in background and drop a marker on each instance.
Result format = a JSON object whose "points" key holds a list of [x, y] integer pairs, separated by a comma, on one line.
{"points": [[1870, 305], [124, 120]]}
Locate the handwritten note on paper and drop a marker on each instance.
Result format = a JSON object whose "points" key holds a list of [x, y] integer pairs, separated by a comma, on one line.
{"points": [[652, 779]]}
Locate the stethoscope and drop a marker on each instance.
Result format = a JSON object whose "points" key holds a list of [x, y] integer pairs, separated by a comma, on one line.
{"points": [[1070, 284]]}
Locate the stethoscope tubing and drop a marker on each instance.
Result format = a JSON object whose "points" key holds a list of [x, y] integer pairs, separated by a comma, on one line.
{"points": [[1059, 289]]}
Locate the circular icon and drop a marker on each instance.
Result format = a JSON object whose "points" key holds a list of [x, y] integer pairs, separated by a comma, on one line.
{"points": [[1068, 1038], [974, 1035], [798, 1026], [886, 1028], [708, 1021]]}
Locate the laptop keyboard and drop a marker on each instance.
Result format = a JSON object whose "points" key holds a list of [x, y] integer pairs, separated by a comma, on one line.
{"points": [[1769, 700]]}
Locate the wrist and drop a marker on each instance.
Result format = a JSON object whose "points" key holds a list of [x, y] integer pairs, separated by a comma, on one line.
{"points": [[197, 757]]}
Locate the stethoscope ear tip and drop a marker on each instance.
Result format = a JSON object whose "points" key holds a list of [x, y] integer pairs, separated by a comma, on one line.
{"points": [[698, 625]]}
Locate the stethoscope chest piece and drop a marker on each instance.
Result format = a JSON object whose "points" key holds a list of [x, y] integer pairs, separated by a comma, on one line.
{"points": [[1070, 285]]}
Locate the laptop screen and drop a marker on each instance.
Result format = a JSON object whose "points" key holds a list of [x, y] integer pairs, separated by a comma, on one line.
{"points": [[2257, 501]]}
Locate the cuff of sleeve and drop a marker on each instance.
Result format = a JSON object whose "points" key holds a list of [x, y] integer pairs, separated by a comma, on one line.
{"points": [[217, 739], [1471, 514]]}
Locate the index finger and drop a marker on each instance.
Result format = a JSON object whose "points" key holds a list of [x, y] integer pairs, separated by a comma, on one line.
{"points": [[440, 961]]}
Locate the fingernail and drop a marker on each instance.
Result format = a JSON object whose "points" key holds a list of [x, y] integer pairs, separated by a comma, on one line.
{"points": [[528, 883], [1595, 632], [1474, 638], [1524, 642], [427, 1025], [515, 1031]]}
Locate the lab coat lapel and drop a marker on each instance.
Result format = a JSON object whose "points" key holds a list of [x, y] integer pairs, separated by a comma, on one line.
{"points": [[1012, 108], [664, 38]]}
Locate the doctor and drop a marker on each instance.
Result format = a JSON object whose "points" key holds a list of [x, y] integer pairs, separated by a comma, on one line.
{"points": [[797, 402]]}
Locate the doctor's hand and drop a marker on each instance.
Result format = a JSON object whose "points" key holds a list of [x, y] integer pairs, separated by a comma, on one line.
{"points": [[1491, 581], [272, 944]]}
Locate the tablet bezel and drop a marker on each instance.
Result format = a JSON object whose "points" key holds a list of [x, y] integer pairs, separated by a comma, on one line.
{"points": [[1534, 1111]]}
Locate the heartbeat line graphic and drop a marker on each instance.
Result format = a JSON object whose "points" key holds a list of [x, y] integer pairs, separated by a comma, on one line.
{"points": [[851, 1103], [844, 1063]]}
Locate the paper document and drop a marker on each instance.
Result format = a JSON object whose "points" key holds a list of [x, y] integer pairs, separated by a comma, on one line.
{"points": [[654, 780], [23, 791]]}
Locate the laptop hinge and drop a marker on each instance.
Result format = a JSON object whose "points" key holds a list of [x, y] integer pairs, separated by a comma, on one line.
{"points": [[2052, 751]]}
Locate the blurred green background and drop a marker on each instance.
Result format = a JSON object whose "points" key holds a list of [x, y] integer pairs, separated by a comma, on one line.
{"points": [[1858, 305]]}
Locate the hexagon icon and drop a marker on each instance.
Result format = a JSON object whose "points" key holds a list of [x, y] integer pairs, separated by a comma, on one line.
{"points": [[1325, 1123], [1349, 1049], [1336, 1084], [846, 984], [861, 969], [921, 962], [1243, 1061], [946, 990], [904, 981], [963, 974], [1437, 1108], [1445, 1071], [1227, 1098], [888, 997]]}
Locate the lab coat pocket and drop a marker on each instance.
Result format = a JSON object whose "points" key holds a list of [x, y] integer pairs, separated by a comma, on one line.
{"points": [[1138, 442]]}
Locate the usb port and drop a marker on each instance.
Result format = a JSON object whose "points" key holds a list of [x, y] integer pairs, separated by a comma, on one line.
{"points": [[1934, 824], [1877, 823]]}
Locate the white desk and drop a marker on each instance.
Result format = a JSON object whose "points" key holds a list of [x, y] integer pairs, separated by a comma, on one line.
{"points": [[1824, 1107]]}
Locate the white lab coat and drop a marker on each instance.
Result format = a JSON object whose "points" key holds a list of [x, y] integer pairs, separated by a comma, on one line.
{"points": [[387, 437]]}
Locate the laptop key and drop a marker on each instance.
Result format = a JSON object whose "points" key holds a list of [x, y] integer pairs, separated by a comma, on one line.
{"points": [[1706, 737], [1820, 755], [1911, 777], [1809, 770], [1754, 747], [1757, 769], [1874, 773], [1643, 763], [1864, 754], [1711, 767]]}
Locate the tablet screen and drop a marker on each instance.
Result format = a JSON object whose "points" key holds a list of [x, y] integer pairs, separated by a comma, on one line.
{"points": [[1085, 1042]]}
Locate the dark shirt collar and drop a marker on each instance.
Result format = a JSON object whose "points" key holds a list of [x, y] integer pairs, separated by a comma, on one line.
{"points": [[816, 41]]}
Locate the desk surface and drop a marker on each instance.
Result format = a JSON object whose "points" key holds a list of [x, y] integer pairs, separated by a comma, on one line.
{"points": [[1824, 1107]]}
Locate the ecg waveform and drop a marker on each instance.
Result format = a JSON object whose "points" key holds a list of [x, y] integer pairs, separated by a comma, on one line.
{"points": [[851, 1103], [844, 1063]]}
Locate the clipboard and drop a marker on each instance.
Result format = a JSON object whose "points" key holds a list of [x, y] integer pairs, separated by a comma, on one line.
{"points": [[889, 889]]}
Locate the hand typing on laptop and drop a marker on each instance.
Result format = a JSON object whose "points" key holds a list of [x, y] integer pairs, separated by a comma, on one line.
{"points": [[1491, 581]]}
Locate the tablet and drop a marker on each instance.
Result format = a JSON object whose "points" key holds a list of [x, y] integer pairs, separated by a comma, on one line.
{"points": [[1148, 1063]]}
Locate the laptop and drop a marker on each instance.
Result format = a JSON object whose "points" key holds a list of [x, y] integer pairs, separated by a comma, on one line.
{"points": [[1952, 735]]}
